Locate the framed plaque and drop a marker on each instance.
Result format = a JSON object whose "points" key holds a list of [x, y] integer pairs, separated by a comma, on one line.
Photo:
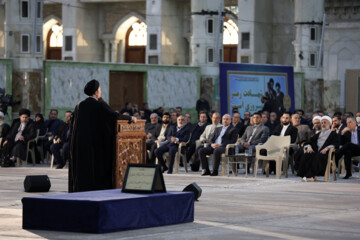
{"points": [[141, 178]]}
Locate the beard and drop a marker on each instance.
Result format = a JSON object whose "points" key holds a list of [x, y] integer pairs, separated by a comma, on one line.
{"points": [[166, 121]]}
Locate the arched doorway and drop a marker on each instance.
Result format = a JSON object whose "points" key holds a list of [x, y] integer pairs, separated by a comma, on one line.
{"points": [[136, 40], [230, 40], [54, 42]]}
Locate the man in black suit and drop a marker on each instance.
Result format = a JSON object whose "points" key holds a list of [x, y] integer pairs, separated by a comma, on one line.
{"points": [[285, 129], [238, 124], [160, 136], [61, 141], [224, 135], [196, 132], [350, 138], [20, 133], [246, 121], [337, 125], [177, 134]]}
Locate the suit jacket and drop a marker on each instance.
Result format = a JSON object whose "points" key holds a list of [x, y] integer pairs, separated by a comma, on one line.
{"points": [[158, 130], [230, 136], [346, 137], [260, 136], [151, 128], [209, 131], [28, 133], [333, 139], [290, 131], [240, 129], [197, 130], [183, 134], [61, 131]]}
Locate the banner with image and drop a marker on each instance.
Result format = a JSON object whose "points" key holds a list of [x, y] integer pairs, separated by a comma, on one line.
{"points": [[242, 88]]}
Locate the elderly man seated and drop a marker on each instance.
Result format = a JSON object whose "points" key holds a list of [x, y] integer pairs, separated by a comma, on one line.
{"points": [[177, 134], [350, 138], [314, 160], [227, 134], [21, 132], [205, 138]]}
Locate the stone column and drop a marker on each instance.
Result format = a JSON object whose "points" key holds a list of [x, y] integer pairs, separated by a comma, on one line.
{"points": [[106, 53], [114, 50]]}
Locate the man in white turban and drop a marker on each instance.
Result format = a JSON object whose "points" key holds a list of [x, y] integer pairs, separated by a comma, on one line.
{"points": [[313, 161]]}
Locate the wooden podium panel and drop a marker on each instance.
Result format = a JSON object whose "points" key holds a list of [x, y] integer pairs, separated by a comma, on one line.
{"points": [[130, 147]]}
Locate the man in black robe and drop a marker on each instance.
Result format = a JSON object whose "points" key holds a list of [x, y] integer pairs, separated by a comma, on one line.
{"points": [[314, 160], [20, 133], [92, 142]]}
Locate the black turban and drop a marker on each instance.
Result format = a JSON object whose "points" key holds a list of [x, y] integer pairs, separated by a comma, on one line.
{"points": [[24, 111], [91, 87]]}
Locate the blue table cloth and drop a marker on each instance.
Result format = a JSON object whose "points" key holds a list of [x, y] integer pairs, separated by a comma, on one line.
{"points": [[106, 211]]}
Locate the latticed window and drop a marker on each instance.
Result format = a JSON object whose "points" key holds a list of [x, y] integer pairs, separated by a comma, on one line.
{"points": [[231, 35], [138, 35], [56, 38]]}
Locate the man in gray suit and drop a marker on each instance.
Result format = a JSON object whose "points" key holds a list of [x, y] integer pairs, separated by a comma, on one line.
{"points": [[224, 135], [254, 134]]}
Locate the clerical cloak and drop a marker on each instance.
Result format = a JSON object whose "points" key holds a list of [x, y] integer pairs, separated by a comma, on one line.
{"points": [[92, 146]]}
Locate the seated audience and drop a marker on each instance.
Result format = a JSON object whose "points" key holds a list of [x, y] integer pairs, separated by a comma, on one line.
{"points": [[350, 138], [254, 134], [314, 160], [128, 108], [272, 123], [39, 125], [224, 135], [304, 132], [160, 136], [237, 123], [21, 132], [4, 128], [285, 129], [151, 133], [246, 121], [177, 134], [300, 112], [196, 132], [205, 138], [316, 125], [178, 111], [188, 121], [147, 112], [173, 118], [337, 125], [52, 125], [61, 141]]}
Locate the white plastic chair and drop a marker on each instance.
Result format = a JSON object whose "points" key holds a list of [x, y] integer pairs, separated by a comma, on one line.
{"points": [[277, 148]]}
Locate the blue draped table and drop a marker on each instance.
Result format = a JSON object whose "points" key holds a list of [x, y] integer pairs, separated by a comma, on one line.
{"points": [[106, 211]]}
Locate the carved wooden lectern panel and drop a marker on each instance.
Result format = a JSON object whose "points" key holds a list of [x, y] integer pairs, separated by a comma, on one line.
{"points": [[130, 147]]}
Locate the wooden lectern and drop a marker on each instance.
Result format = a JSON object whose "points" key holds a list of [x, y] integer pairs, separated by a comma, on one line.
{"points": [[130, 147]]}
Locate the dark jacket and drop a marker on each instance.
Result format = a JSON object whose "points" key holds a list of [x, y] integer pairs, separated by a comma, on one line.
{"points": [[183, 134], [290, 131], [158, 130], [28, 133], [151, 128], [240, 128], [333, 139], [61, 131], [197, 131], [346, 137], [92, 147], [230, 136]]}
